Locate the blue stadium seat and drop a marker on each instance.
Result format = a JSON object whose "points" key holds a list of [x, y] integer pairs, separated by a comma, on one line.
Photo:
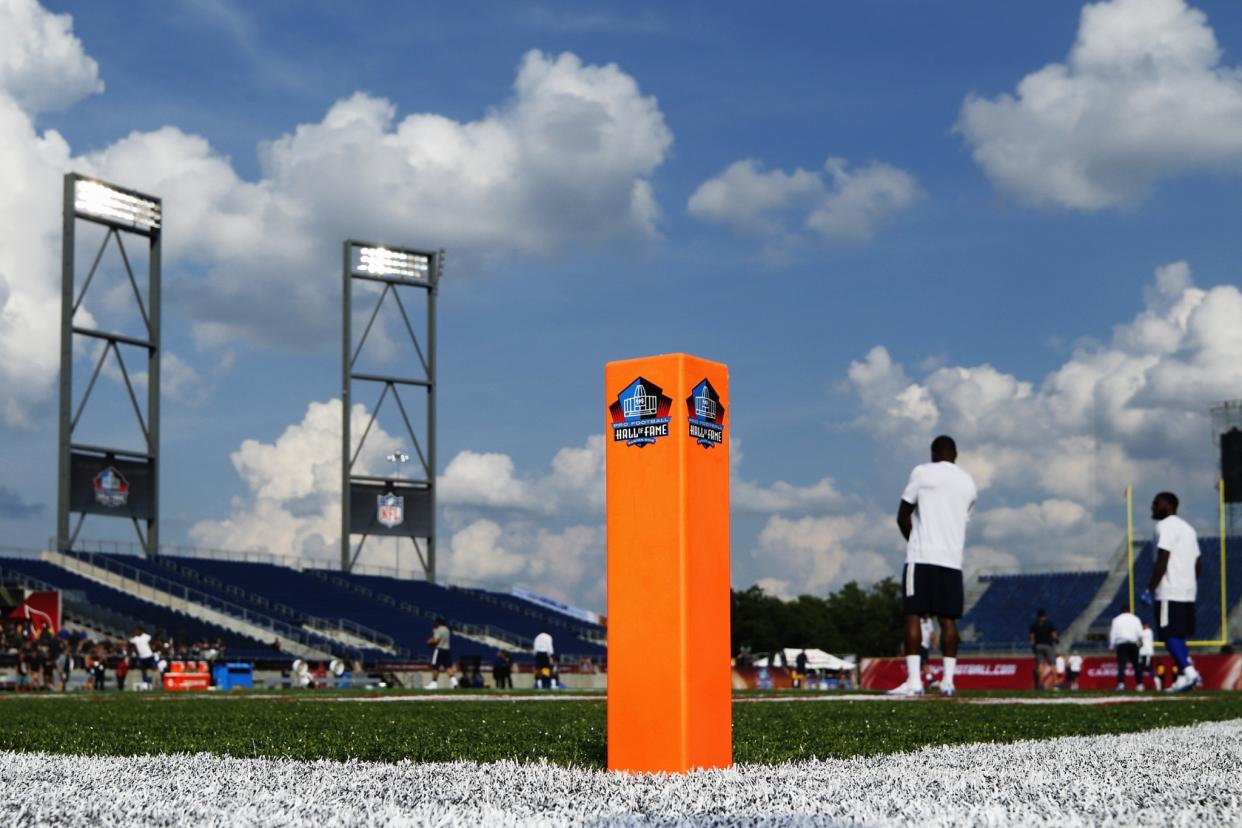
{"points": [[1004, 613]]}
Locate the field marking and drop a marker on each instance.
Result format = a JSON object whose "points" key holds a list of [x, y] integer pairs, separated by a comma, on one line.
{"points": [[1170, 776]]}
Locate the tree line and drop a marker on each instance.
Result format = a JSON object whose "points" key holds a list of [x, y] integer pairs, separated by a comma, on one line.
{"points": [[853, 620]]}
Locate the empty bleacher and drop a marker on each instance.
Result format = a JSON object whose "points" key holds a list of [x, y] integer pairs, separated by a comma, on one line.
{"points": [[1207, 604], [394, 614], [1002, 617]]}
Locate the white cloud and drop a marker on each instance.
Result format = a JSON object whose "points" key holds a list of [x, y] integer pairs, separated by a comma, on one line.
{"points": [[820, 553], [42, 64], [293, 504], [1141, 97], [564, 163], [1132, 411], [839, 204], [485, 479], [859, 201]]}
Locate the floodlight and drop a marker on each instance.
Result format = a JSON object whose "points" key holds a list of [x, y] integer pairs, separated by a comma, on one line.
{"points": [[380, 261], [101, 201]]}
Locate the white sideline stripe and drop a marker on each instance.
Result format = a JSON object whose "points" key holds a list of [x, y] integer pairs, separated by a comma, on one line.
{"points": [[1173, 776]]}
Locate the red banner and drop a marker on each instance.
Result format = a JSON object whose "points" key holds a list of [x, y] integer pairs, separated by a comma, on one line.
{"points": [[41, 609], [1218, 672]]}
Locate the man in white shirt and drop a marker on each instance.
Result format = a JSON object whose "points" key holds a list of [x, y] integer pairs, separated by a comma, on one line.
{"points": [[1074, 670], [1147, 650], [442, 656], [1174, 584], [1123, 637], [143, 653], [935, 508], [544, 653]]}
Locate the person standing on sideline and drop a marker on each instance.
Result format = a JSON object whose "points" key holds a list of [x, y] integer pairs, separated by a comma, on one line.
{"points": [[1043, 637], [927, 642], [1074, 669], [1147, 651], [544, 653], [932, 516], [442, 656], [1124, 636], [1174, 585], [800, 669], [143, 655]]}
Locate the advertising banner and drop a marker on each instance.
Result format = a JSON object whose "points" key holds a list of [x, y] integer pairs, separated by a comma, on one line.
{"points": [[1219, 672]]}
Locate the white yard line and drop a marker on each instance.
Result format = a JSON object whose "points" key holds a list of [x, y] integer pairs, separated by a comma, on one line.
{"points": [[1186, 776]]}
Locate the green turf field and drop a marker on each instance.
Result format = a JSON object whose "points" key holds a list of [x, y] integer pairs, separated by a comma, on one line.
{"points": [[315, 726]]}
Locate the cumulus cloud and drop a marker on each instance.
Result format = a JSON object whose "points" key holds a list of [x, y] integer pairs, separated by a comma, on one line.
{"points": [[819, 553], [42, 64], [292, 507], [1133, 410], [564, 162], [838, 204], [1142, 96]]}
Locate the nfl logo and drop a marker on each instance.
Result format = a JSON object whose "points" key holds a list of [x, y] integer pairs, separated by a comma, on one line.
{"points": [[391, 510]]}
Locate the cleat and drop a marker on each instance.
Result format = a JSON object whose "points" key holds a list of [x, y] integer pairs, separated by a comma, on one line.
{"points": [[1185, 682], [947, 690], [906, 690]]}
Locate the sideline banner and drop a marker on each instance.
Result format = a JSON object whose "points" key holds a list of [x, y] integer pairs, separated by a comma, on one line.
{"points": [[41, 609], [1219, 672]]}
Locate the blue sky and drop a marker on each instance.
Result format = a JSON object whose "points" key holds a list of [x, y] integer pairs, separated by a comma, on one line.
{"points": [[1000, 243]]}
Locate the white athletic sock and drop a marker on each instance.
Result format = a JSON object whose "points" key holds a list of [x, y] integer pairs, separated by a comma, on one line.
{"points": [[950, 664], [912, 671]]}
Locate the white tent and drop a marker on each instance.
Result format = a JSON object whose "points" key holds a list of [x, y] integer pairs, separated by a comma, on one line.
{"points": [[815, 660]]}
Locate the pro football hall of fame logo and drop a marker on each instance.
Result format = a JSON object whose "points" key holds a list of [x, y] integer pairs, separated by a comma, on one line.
{"points": [[705, 415], [111, 488], [640, 415], [390, 510]]}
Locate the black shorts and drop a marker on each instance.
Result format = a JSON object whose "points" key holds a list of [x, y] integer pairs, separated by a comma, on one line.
{"points": [[924, 655], [442, 659], [543, 661], [1175, 619], [932, 590]]}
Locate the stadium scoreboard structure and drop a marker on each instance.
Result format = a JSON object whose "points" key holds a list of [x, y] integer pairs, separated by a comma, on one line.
{"points": [[667, 456], [109, 481], [392, 505]]}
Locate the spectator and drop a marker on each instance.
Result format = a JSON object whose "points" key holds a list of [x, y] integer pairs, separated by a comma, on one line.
{"points": [[1074, 670], [800, 669], [23, 670], [1147, 650], [502, 670], [64, 666], [544, 655], [122, 668], [144, 655], [1043, 638], [99, 668], [442, 654], [1124, 636]]}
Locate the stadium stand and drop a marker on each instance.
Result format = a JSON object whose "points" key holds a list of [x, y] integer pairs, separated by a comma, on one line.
{"points": [[377, 618], [1207, 607], [1002, 616], [122, 612]]}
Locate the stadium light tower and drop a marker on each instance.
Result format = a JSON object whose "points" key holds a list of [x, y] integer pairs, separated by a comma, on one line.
{"points": [[392, 506], [109, 480]]}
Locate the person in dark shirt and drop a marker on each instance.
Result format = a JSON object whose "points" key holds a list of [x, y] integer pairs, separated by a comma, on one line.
{"points": [[502, 670], [800, 668], [1043, 638]]}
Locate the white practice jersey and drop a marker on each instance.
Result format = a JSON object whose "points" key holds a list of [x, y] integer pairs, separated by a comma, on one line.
{"points": [[543, 643], [1147, 642], [943, 496], [142, 645], [1126, 629], [1075, 663], [1179, 539]]}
